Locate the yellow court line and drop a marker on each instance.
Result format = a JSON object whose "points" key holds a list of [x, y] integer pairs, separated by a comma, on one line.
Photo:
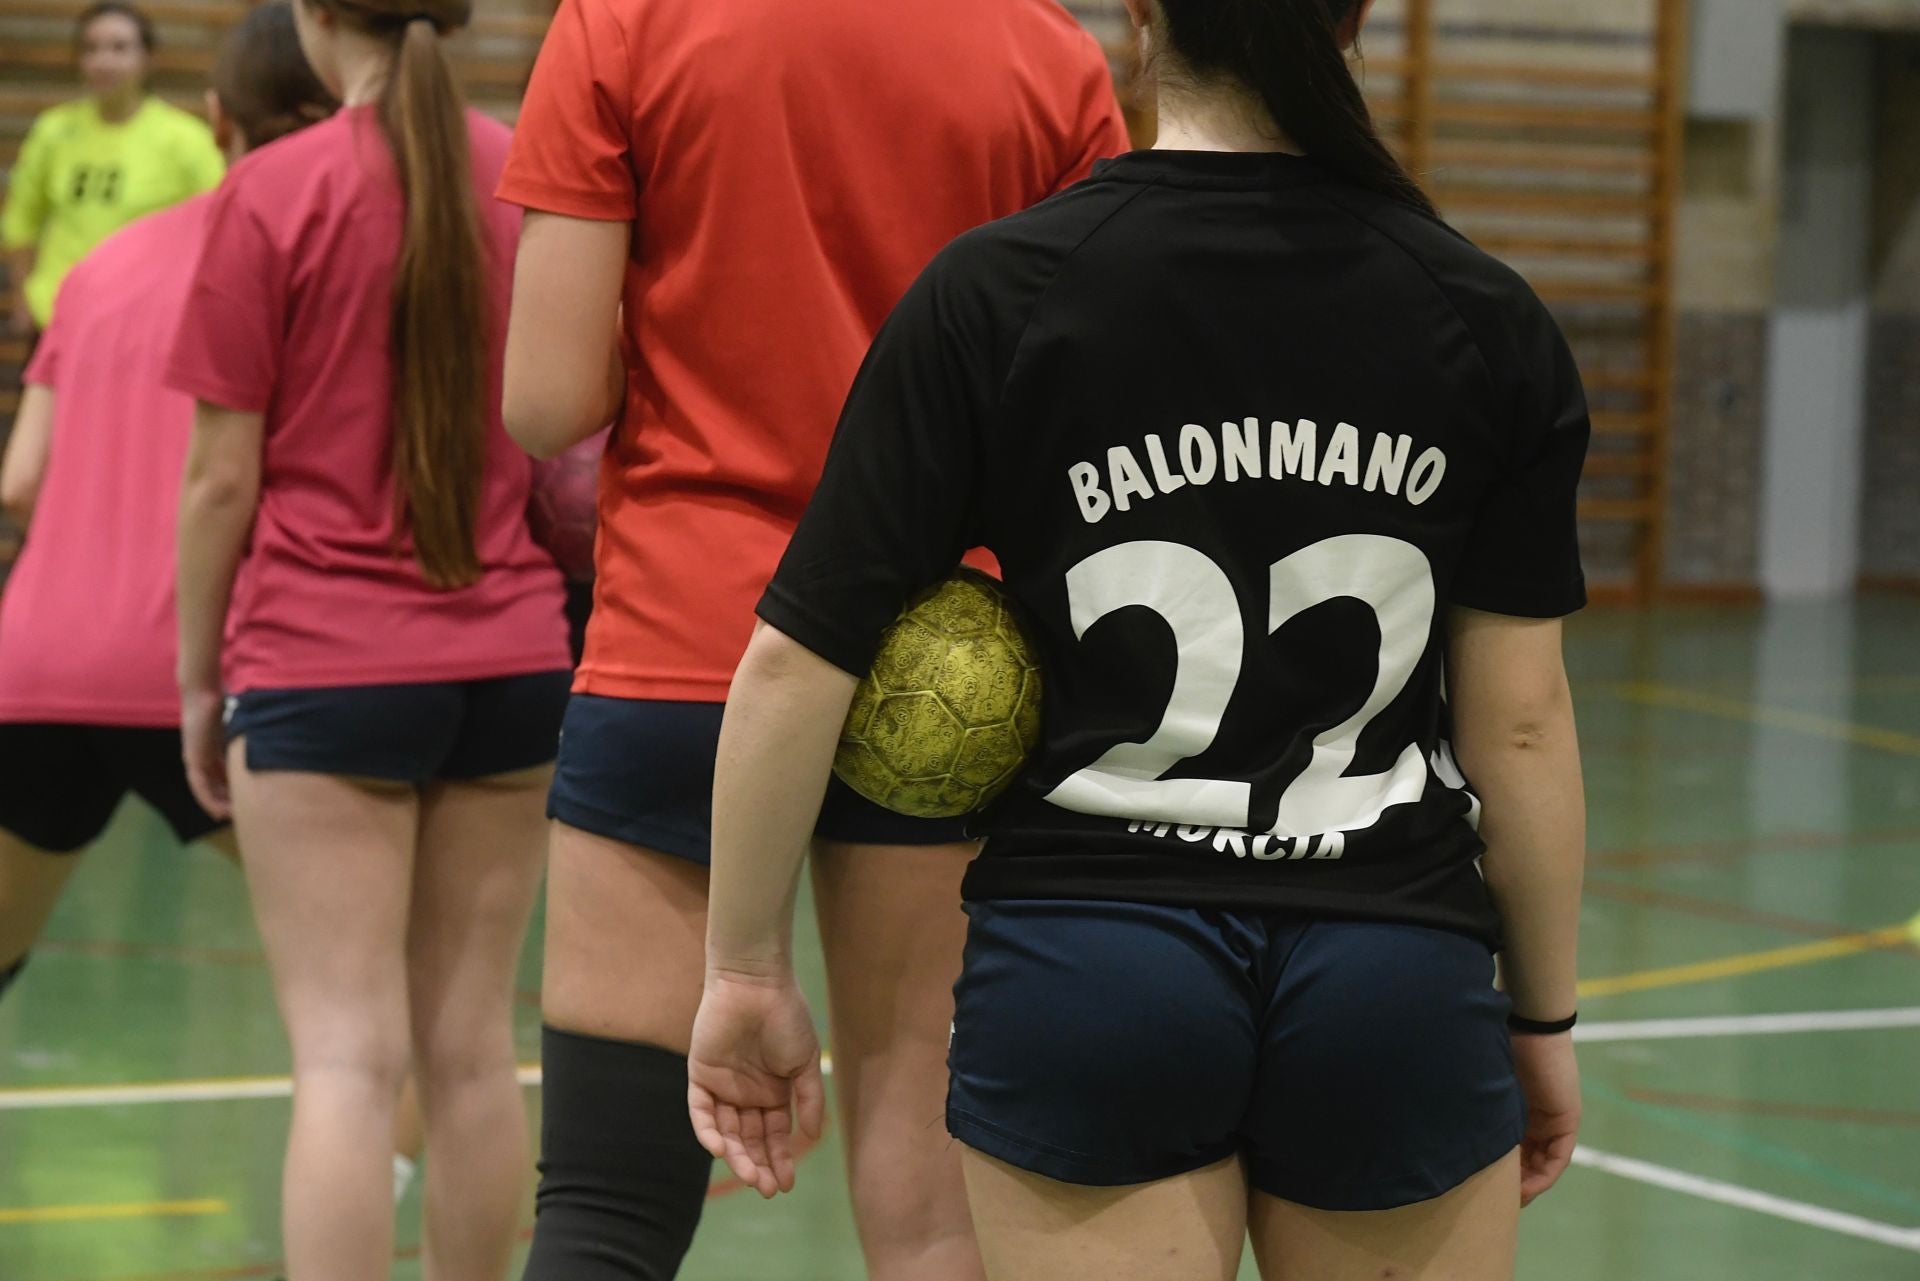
{"points": [[126, 1210], [1727, 967], [1690, 700], [184, 1083], [191, 1090]]}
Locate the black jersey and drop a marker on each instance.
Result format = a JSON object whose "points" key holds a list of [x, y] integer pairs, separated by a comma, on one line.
{"points": [[1240, 433]]}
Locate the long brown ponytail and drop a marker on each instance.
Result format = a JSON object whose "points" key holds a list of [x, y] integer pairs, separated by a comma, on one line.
{"points": [[441, 323], [1288, 52]]}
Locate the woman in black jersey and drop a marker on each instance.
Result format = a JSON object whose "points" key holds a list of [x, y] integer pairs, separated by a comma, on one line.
{"points": [[1283, 472]]}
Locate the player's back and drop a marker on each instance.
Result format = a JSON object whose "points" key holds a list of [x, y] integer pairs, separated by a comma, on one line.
{"points": [[799, 164], [1284, 423], [87, 625], [1239, 431], [787, 169], [289, 316]]}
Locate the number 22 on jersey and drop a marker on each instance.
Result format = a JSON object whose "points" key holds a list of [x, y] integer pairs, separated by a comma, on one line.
{"points": [[1194, 597]]}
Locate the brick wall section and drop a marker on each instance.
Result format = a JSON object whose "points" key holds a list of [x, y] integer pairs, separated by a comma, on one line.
{"points": [[1720, 387], [1890, 494], [1890, 501]]}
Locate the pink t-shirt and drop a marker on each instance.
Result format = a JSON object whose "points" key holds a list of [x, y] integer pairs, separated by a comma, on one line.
{"points": [[288, 315], [86, 621]]}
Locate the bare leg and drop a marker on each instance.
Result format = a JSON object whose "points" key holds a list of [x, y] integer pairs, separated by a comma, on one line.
{"points": [[622, 1179], [1188, 1228], [330, 865], [409, 1127], [893, 930], [1466, 1235], [474, 883], [626, 948], [31, 880], [407, 1133]]}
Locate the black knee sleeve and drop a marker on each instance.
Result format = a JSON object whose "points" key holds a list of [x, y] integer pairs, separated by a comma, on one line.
{"points": [[622, 1179], [12, 972]]}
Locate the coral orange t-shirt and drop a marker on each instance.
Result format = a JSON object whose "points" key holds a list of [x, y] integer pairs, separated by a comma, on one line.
{"points": [[788, 170], [289, 316]]}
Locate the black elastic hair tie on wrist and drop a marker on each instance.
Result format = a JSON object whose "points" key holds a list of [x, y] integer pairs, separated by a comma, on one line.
{"points": [[1534, 1027]]}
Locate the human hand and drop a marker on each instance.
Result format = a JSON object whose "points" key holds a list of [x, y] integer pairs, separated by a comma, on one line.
{"points": [[1550, 1080], [753, 1073], [203, 746]]}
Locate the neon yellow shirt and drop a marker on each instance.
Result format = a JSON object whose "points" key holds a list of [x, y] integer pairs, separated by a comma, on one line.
{"points": [[79, 179]]}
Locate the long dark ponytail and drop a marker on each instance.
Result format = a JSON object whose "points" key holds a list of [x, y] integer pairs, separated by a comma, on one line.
{"points": [[1288, 52]]}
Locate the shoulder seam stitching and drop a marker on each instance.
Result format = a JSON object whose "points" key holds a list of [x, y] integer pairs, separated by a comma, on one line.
{"points": [[1026, 327], [1479, 349]]}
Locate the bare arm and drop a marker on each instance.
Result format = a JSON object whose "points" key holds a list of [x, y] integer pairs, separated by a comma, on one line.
{"points": [[218, 499], [783, 721], [754, 1068], [28, 449], [1514, 736], [565, 379]]}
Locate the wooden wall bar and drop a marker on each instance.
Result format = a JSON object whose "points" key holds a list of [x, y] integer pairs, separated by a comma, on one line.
{"points": [[1557, 148]]}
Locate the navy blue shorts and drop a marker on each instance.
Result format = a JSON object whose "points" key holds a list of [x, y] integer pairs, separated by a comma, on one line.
{"points": [[63, 782], [1353, 1066], [404, 733], [641, 771]]}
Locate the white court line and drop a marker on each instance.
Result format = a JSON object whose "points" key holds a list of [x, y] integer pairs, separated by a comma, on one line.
{"points": [[225, 1089], [219, 1090], [1748, 1025], [1815, 1216]]}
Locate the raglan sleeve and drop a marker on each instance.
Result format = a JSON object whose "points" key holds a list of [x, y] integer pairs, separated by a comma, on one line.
{"points": [[1523, 555]]}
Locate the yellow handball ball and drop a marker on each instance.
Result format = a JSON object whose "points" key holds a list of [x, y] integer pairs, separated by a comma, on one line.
{"points": [[951, 709]]}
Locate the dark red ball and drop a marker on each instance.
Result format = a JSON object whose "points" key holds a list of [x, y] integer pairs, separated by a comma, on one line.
{"points": [[563, 509]]}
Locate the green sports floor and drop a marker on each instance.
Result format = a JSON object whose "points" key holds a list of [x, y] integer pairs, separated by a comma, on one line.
{"points": [[1752, 1053]]}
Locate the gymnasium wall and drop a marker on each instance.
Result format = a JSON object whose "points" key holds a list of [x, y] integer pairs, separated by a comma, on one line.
{"points": [[1726, 287], [1890, 506], [36, 71], [1721, 287], [1728, 227], [1727, 294], [1890, 15]]}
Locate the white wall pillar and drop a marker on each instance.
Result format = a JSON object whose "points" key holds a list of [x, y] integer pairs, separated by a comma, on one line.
{"points": [[1817, 367], [1735, 53]]}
